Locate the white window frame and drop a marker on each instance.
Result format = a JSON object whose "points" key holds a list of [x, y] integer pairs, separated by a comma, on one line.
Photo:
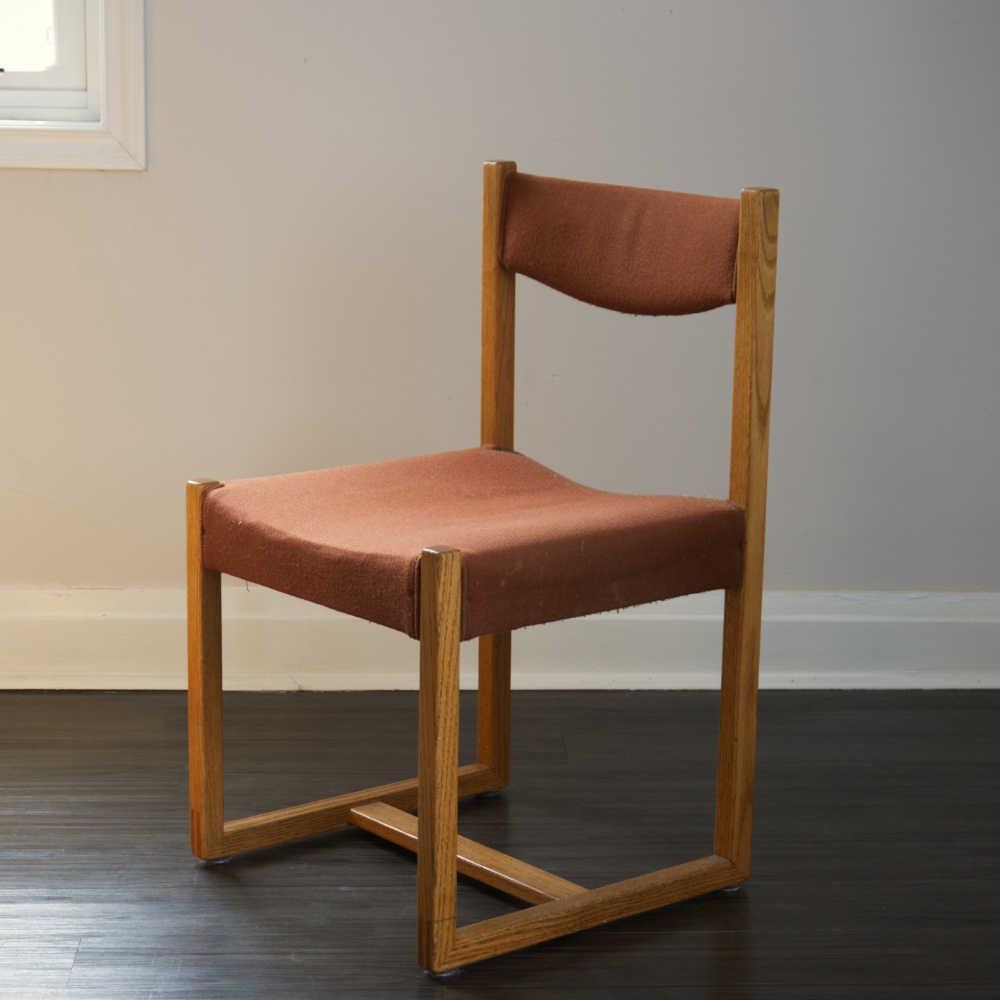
{"points": [[116, 75]]}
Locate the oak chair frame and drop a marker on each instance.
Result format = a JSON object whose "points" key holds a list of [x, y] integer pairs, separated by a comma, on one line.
{"points": [[559, 907]]}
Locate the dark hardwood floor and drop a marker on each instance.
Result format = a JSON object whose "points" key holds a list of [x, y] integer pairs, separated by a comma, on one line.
{"points": [[876, 866]]}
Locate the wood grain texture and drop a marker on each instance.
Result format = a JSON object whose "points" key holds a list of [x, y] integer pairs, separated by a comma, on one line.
{"points": [[497, 408], [325, 815], [496, 431], [437, 794], [493, 868], [755, 285], [204, 618], [547, 921], [493, 748]]}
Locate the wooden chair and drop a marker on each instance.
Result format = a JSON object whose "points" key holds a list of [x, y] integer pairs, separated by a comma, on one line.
{"points": [[476, 543]]}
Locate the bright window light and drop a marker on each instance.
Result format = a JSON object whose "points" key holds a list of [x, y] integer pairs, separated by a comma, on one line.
{"points": [[27, 35]]}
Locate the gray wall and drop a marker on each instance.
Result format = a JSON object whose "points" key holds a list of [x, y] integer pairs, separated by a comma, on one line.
{"points": [[294, 281]]}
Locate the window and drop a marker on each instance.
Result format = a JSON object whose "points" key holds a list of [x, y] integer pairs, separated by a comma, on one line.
{"points": [[72, 89], [43, 60]]}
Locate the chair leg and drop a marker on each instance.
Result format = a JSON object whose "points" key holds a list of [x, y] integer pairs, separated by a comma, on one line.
{"points": [[738, 726], [755, 275], [437, 796], [204, 686], [494, 706]]}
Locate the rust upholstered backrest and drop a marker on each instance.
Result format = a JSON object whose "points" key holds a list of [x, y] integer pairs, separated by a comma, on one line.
{"points": [[635, 250]]}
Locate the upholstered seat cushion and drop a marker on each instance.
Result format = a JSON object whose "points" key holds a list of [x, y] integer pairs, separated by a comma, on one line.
{"points": [[536, 547]]}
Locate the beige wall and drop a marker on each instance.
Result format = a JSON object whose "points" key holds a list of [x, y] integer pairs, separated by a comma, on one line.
{"points": [[294, 280]]}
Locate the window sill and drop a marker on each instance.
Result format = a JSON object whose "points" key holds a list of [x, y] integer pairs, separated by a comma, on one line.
{"points": [[74, 145]]}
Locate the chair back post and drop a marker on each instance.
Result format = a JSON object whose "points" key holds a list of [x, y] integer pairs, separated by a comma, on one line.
{"points": [[755, 284], [497, 413], [496, 431]]}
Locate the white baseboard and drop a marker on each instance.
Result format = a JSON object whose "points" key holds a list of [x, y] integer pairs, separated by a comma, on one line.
{"points": [[134, 639]]}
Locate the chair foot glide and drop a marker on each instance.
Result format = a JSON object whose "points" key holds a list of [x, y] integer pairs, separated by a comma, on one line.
{"points": [[447, 974]]}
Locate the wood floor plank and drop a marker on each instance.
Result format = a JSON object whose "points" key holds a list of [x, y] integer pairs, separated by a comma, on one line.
{"points": [[875, 873]]}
